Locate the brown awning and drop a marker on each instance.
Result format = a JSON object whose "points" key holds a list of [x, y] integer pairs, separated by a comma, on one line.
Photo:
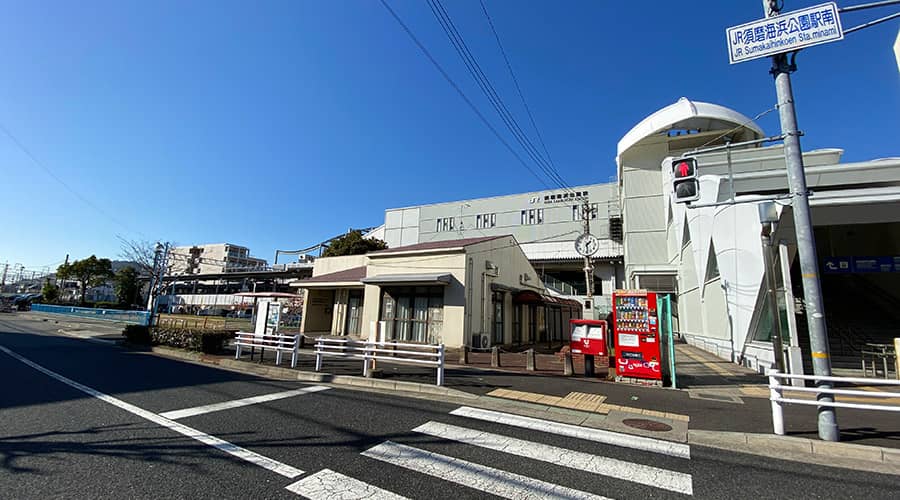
{"points": [[531, 297]]}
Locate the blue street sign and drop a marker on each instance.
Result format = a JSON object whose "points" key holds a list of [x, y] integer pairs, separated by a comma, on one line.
{"points": [[838, 265], [784, 33]]}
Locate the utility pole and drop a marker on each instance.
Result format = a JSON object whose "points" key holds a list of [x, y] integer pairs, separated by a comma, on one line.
{"points": [[806, 247], [588, 265], [5, 269]]}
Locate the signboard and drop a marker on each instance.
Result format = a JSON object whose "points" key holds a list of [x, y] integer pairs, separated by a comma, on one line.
{"points": [[883, 264], [784, 33]]}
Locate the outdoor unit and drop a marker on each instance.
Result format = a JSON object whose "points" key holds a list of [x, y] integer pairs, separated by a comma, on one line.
{"points": [[481, 341]]}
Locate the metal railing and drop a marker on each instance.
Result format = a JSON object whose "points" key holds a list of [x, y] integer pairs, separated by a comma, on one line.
{"points": [[776, 394], [394, 352], [280, 343], [136, 317]]}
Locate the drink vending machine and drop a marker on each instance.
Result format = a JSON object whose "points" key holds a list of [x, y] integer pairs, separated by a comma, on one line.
{"points": [[639, 348]]}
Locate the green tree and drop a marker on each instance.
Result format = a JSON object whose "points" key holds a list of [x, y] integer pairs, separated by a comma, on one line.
{"points": [[49, 292], [87, 272], [126, 285], [353, 243]]}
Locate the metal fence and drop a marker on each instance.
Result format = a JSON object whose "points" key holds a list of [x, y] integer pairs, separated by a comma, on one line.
{"points": [[135, 317], [777, 389], [394, 352]]}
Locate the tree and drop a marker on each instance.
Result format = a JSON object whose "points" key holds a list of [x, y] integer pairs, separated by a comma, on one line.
{"points": [[141, 253], [126, 285], [87, 272], [353, 243], [49, 292]]}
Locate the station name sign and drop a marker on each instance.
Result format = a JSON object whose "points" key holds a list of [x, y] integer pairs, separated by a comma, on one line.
{"points": [[784, 33]]}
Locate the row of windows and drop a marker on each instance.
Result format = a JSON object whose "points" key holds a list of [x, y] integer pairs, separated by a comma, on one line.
{"points": [[578, 211], [532, 216], [528, 217]]}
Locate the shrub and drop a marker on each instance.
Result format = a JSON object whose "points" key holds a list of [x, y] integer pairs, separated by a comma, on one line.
{"points": [[206, 341], [137, 334]]}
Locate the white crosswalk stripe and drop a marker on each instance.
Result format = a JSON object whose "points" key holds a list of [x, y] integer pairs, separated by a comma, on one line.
{"points": [[330, 485], [481, 477], [597, 435], [619, 469]]}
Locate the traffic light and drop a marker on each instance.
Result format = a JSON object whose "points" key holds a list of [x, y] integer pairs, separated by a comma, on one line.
{"points": [[685, 182]]}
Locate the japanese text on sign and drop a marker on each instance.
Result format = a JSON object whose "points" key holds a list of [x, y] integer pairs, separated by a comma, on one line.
{"points": [[784, 33]]}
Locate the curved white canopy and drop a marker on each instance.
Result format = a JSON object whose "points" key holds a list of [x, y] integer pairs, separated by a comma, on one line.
{"points": [[693, 115]]}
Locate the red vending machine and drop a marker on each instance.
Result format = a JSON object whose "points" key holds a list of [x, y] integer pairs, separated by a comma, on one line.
{"points": [[636, 333]]}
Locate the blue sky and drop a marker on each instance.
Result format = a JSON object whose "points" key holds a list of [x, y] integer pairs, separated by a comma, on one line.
{"points": [[277, 124]]}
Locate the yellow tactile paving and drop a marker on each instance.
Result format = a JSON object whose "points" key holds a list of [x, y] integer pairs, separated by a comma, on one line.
{"points": [[593, 403]]}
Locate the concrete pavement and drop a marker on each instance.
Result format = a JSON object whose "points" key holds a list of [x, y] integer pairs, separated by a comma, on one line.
{"points": [[60, 438]]}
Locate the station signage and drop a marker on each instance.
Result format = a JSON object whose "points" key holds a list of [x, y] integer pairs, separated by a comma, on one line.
{"points": [[842, 265], [784, 33]]}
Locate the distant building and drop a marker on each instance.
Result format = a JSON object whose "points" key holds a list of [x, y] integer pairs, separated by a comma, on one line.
{"points": [[212, 258], [544, 223]]}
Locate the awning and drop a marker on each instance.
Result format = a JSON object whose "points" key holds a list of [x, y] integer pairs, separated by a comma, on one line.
{"points": [[530, 297], [340, 279], [409, 279]]}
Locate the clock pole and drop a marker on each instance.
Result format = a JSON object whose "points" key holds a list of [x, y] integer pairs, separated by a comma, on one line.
{"points": [[588, 265]]}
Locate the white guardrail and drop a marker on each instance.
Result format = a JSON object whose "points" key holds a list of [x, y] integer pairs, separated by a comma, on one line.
{"points": [[280, 343], [777, 389], [394, 352]]}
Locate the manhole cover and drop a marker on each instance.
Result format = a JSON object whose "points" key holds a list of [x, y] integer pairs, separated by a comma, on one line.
{"points": [[647, 425]]}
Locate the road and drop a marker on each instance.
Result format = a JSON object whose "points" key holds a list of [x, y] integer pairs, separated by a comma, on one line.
{"points": [[81, 419]]}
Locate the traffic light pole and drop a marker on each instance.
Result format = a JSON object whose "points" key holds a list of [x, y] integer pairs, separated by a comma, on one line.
{"points": [[806, 247]]}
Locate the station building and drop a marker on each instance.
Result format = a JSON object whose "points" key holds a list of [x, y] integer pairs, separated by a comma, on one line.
{"points": [[708, 256]]}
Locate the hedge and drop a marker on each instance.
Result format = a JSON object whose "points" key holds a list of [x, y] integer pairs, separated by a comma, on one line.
{"points": [[206, 341], [137, 334]]}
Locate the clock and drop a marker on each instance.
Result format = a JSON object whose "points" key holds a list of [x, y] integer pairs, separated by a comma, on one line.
{"points": [[587, 245]]}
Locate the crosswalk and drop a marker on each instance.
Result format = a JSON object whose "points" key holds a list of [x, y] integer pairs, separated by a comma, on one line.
{"points": [[493, 480]]}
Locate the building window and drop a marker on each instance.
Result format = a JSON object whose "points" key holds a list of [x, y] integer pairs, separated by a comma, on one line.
{"points": [[413, 314], [445, 224], [354, 312], [497, 330], [578, 209], [484, 221], [532, 216], [712, 264]]}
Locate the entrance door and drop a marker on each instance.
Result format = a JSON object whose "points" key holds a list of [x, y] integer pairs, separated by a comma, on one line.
{"points": [[354, 312]]}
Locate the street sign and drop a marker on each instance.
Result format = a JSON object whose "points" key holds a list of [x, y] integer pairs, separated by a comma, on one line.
{"points": [[784, 33]]}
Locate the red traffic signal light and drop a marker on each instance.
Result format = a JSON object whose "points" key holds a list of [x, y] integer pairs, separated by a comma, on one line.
{"points": [[685, 185]]}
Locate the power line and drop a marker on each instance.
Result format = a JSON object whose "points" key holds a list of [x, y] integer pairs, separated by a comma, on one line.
{"points": [[459, 91], [59, 180], [484, 83], [516, 81]]}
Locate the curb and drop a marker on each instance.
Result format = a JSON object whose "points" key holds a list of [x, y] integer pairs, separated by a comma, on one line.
{"points": [[846, 455]]}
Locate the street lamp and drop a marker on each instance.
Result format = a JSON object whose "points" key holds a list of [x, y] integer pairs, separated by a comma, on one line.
{"points": [[768, 218]]}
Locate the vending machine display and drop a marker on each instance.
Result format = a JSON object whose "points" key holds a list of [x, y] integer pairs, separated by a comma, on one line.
{"points": [[636, 335]]}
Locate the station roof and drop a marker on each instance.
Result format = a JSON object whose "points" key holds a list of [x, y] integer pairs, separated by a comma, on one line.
{"points": [[690, 115]]}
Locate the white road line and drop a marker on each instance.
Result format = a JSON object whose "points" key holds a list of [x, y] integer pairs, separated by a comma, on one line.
{"points": [[597, 435], [237, 451], [480, 477], [237, 403], [330, 485], [619, 469]]}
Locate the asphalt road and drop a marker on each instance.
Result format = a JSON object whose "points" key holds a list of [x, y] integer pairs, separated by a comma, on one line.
{"points": [[80, 419]]}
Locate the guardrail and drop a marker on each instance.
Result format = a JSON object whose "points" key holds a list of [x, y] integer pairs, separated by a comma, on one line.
{"points": [[776, 394], [136, 317], [395, 352], [280, 343]]}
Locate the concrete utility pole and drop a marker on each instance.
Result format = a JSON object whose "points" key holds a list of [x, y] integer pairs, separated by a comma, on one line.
{"points": [[806, 246], [588, 265]]}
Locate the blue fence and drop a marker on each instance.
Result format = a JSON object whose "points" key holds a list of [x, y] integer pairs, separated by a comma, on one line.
{"points": [[136, 317]]}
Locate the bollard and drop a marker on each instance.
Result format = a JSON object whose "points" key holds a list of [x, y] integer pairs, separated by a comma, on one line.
{"points": [[464, 355], [568, 367], [775, 396], [495, 357], [529, 360]]}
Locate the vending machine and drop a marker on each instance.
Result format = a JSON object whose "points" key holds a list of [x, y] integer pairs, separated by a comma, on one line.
{"points": [[639, 349]]}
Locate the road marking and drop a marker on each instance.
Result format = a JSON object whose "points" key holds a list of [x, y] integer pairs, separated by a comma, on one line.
{"points": [[237, 451], [87, 337], [328, 484], [597, 435], [619, 469], [480, 477], [237, 403]]}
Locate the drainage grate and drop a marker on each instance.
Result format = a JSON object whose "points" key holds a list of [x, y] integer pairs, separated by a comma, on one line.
{"points": [[647, 425]]}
